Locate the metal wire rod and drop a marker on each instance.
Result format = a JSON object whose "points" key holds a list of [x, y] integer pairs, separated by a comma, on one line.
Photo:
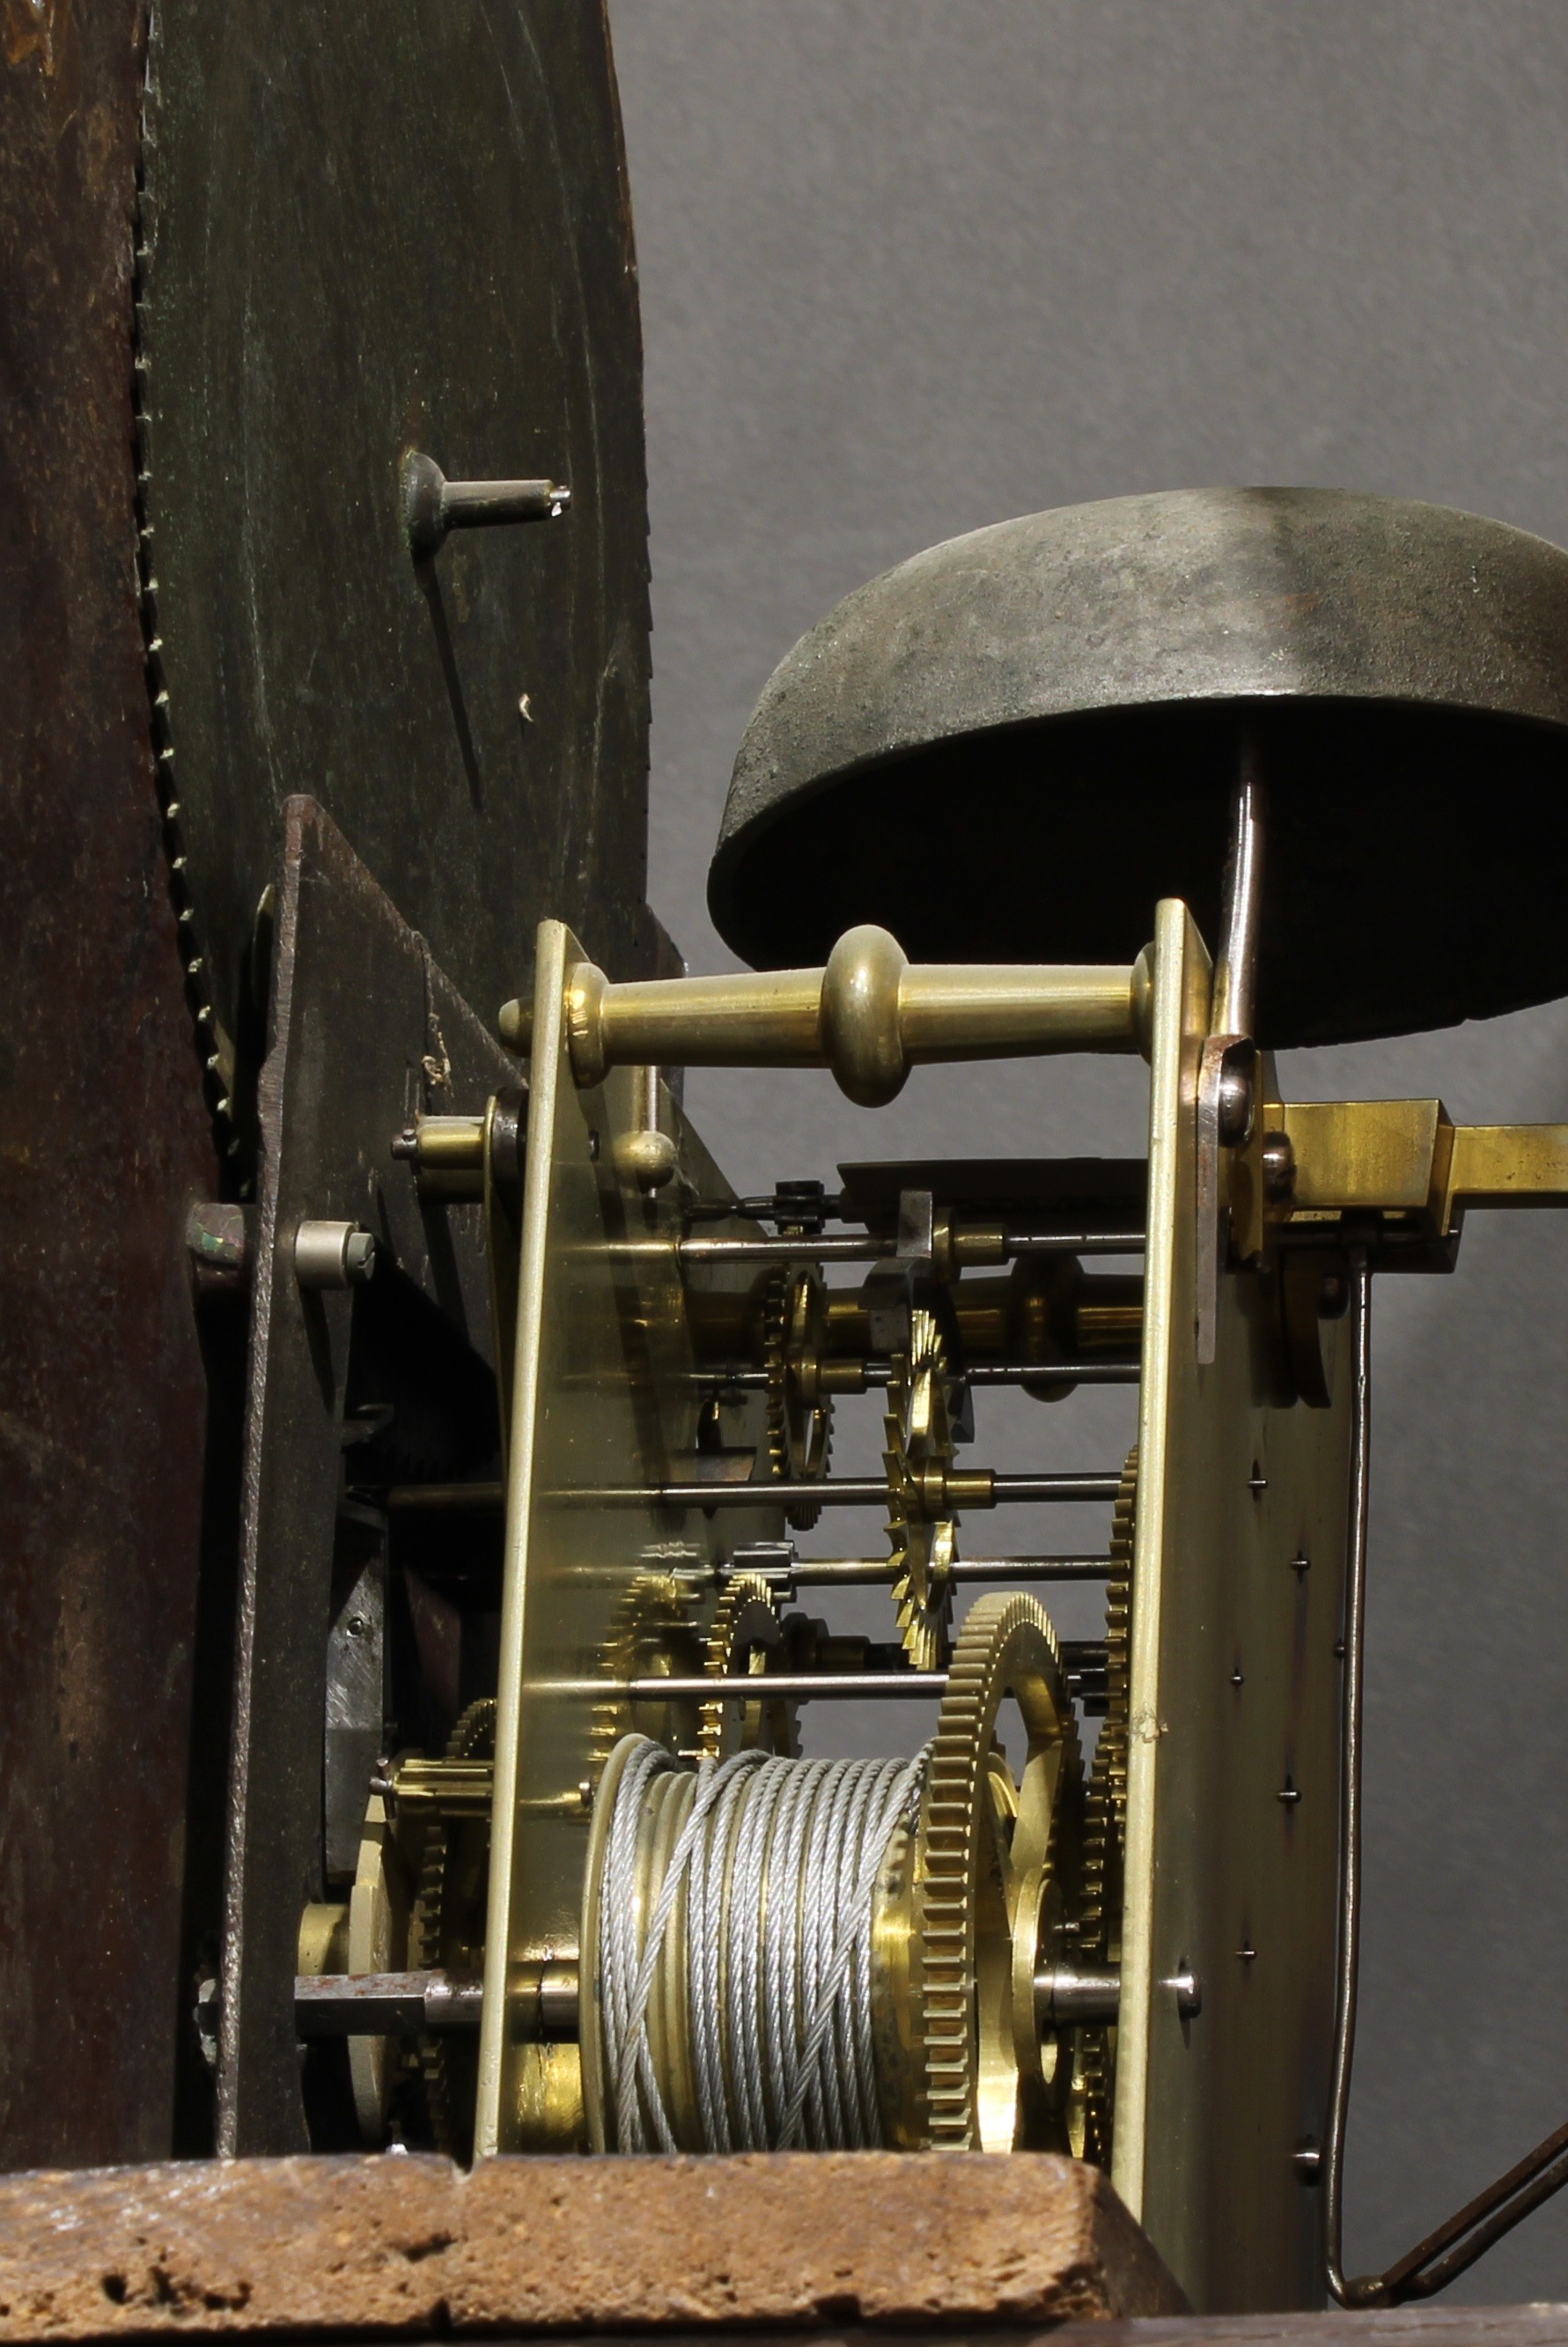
{"points": [[845, 1572], [765, 1686], [852, 1491], [874, 1374], [1235, 969], [847, 1491], [1081, 1659], [858, 1247], [1467, 2234], [1367, 2290]]}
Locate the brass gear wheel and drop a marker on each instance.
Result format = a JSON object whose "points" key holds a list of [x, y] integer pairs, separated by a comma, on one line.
{"points": [[994, 1860], [924, 1538], [746, 1636], [799, 1414], [446, 1932], [1099, 1940], [654, 1634]]}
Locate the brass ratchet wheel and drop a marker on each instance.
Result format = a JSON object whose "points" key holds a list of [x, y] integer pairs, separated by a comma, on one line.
{"points": [[1099, 1938], [746, 1639], [799, 1414], [996, 1874], [653, 1634], [921, 1527]]}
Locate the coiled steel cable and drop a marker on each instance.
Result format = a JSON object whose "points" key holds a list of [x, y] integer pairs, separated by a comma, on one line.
{"points": [[771, 1880]]}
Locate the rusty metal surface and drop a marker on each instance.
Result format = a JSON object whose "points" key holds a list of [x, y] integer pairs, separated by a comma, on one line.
{"points": [[101, 1392], [365, 2248], [364, 1033], [1015, 743], [371, 231]]}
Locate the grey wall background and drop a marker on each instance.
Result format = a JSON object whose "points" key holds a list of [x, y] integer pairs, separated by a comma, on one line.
{"points": [[910, 266]]}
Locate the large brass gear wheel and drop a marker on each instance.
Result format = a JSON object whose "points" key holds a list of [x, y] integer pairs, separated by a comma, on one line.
{"points": [[1099, 1938], [995, 1861], [446, 1932], [924, 1534], [799, 1414], [747, 1638]]}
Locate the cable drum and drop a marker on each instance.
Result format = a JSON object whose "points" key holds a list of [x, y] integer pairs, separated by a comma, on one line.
{"points": [[838, 1954], [741, 1923]]}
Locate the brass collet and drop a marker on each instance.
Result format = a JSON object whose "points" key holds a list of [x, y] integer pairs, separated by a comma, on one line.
{"points": [[871, 1015]]}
